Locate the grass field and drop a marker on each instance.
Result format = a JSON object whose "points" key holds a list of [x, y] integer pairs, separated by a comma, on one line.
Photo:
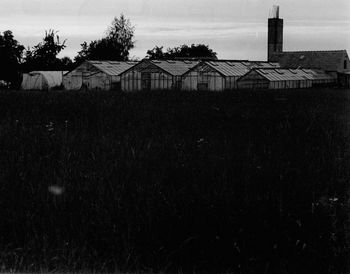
{"points": [[246, 182]]}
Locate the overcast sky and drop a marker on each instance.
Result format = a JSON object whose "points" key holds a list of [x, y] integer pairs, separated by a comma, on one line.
{"points": [[235, 29]]}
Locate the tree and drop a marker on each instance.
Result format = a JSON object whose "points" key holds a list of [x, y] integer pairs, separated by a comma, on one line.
{"points": [[120, 34], [11, 53], [199, 51], [115, 46], [84, 53], [103, 49], [156, 53], [66, 63], [44, 55]]}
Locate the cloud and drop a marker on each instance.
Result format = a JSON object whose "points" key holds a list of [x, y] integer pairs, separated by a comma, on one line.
{"points": [[235, 29]]}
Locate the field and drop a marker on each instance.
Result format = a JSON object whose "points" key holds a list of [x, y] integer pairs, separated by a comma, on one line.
{"points": [[246, 182]]}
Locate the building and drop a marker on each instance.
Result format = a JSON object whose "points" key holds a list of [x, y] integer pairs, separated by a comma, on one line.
{"points": [[96, 75], [219, 75], [42, 80], [268, 78], [155, 75], [274, 34], [334, 62], [344, 79]]}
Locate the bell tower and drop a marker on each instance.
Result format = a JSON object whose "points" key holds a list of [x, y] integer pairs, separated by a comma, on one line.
{"points": [[275, 33]]}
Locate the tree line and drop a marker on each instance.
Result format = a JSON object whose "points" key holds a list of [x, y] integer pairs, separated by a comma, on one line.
{"points": [[15, 59]]}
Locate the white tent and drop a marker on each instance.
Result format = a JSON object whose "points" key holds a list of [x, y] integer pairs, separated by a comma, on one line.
{"points": [[41, 80]]}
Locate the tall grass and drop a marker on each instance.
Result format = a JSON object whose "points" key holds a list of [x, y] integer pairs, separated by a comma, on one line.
{"points": [[250, 182]]}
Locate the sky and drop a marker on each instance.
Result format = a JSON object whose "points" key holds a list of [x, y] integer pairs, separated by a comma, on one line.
{"points": [[235, 29]]}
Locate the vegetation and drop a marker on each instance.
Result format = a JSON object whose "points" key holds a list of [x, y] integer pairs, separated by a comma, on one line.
{"points": [[14, 59], [184, 51], [44, 55], [171, 181], [11, 53], [115, 46]]}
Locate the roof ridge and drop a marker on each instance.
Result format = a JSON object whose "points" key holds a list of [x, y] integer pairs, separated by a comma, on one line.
{"points": [[173, 66], [289, 68], [105, 61], [171, 60], [300, 51], [238, 61], [113, 68], [227, 60]]}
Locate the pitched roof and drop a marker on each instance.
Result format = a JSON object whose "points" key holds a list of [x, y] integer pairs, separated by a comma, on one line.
{"points": [[229, 68], [326, 60], [112, 68], [174, 67], [293, 74]]}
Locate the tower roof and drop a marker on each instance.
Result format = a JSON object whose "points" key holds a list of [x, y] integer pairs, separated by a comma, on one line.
{"points": [[275, 12]]}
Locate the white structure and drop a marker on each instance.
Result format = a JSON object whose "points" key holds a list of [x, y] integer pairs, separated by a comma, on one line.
{"points": [[219, 75], [155, 75], [42, 80], [284, 79], [96, 75]]}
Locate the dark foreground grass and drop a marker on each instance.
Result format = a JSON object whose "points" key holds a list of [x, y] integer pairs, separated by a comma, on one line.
{"points": [[170, 181]]}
